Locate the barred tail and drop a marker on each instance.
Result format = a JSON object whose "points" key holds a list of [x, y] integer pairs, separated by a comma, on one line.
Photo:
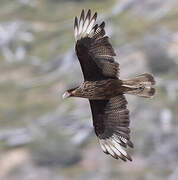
{"points": [[140, 85]]}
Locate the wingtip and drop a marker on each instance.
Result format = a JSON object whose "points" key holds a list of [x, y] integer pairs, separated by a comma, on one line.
{"points": [[88, 16], [89, 11], [75, 22], [95, 15], [82, 14], [102, 25], [129, 157], [130, 144], [110, 146], [84, 25]]}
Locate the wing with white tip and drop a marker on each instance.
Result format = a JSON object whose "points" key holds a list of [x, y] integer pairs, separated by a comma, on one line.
{"points": [[111, 124], [94, 51]]}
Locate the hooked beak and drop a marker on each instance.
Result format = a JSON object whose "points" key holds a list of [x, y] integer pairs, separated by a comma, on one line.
{"points": [[65, 95]]}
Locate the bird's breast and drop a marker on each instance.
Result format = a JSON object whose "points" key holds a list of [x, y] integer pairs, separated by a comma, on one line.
{"points": [[104, 89]]}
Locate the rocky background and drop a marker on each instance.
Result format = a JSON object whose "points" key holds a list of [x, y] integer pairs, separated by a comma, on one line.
{"points": [[44, 137]]}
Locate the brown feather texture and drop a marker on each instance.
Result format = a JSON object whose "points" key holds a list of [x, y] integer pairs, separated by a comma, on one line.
{"points": [[103, 87], [93, 49]]}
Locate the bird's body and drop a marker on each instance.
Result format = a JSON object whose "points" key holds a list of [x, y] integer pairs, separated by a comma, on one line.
{"points": [[97, 90], [104, 88]]}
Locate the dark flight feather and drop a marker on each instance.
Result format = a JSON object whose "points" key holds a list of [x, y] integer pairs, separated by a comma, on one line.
{"points": [[108, 120], [103, 87], [94, 50]]}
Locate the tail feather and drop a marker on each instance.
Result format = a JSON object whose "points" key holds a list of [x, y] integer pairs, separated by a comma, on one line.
{"points": [[140, 85]]}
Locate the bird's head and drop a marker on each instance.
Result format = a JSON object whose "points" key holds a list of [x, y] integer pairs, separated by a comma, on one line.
{"points": [[69, 93]]}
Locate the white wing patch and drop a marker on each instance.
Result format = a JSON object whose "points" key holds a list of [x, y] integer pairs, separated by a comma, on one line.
{"points": [[85, 26], [112, 146]]}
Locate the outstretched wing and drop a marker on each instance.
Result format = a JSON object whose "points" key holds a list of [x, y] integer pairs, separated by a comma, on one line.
{"points": [[93, 49], [111, 124]]}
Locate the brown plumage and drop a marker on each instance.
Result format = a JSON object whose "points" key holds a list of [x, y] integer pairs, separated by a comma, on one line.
{"points": [[103, 87]]}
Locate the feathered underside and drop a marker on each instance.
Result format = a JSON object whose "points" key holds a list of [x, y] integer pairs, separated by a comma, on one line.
{"points": [[93, 49], [96, 57], [111, 123], [107, 101]]}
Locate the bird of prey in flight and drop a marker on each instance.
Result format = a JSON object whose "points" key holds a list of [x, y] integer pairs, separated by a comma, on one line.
{"points": [[103, 87]]}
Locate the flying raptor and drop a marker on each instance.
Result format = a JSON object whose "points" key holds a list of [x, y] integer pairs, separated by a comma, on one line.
{"points": [[103, 87]]}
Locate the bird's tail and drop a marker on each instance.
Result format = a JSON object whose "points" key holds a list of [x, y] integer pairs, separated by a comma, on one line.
{"points": [[140, 85]]}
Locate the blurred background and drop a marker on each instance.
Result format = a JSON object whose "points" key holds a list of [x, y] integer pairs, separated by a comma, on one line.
{"points": [[44, 137]]}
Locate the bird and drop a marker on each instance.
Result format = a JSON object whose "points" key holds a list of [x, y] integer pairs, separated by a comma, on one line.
{"points": [[104, 88]]}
